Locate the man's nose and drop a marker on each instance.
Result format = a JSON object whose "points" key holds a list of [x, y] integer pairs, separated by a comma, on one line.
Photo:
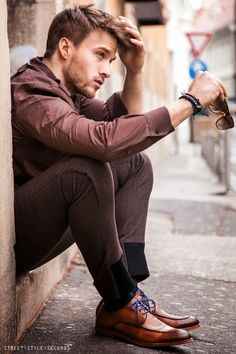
{"points": [[105, 70]]}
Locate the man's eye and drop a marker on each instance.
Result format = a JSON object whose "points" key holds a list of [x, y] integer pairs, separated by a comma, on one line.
{"points": [[100, 55]]}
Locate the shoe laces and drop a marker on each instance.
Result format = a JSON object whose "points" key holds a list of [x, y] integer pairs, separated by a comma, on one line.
{"points": [[139, 307], [149, 303]]}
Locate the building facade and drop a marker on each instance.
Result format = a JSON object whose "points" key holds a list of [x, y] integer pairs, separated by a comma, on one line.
{"points": [[218, 18]]}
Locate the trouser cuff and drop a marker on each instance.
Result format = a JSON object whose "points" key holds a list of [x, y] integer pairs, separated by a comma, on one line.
{"points": [[126, 287], [136, 260], [115, 305]]}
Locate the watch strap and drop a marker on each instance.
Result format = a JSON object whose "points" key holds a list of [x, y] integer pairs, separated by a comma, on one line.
{"points": [[197, 107]]}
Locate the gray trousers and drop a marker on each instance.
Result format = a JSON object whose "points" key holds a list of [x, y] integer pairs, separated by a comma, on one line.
{"points": [[100, 206]]}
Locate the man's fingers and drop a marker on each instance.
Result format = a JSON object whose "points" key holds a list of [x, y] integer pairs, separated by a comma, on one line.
{"points": [[138, 43], [221, 94], [222, 87], [134, 33], [222, 90], [207, 88], [132, 30], [135, 37], [128, 22]]}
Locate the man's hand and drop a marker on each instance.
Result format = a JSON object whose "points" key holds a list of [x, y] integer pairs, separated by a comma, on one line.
{"points": [[207, 89], [133, 57]]}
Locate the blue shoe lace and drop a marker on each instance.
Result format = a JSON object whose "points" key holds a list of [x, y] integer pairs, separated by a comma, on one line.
{"points": [[149, 303], [139, 307]]}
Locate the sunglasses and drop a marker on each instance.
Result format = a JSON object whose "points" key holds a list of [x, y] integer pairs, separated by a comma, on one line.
{"points": [[226, 120]]}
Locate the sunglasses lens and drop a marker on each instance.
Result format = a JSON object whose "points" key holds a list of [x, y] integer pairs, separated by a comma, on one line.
{"points": [[225, 122]]}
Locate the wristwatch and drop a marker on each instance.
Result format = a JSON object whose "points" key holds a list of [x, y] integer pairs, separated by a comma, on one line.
{"points": [[197, 107]]}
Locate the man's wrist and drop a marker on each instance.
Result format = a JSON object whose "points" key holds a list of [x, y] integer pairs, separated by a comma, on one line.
{"points": [[196, 104], [179, 111], [132, 72], [132, 93]]}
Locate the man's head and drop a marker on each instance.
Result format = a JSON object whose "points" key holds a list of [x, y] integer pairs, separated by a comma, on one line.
{"points": [[82, 42]]}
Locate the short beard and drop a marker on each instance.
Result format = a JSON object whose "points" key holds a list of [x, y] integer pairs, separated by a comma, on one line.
{"points": [[74, 89]]}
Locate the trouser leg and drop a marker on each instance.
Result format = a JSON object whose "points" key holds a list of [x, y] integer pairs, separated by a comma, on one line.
{"points": [[133, 179], [76, 192], [65, 242]]}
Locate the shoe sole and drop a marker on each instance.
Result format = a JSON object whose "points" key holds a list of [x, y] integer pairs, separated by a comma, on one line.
{"points": [[114, 335]]}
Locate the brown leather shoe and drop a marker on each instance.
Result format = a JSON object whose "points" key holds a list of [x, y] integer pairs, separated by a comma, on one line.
{"points": [[182, 322], [188, 323], [135, 324]]}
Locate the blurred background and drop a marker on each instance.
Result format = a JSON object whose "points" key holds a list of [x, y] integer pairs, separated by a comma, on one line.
{"points": [[180, 36]]}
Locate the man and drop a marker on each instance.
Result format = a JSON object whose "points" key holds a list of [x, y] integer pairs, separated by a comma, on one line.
{"points": [[79, 172]]}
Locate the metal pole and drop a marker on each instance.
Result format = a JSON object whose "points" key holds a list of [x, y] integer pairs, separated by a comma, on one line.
{"points": [[226, 164], [227, 159]]}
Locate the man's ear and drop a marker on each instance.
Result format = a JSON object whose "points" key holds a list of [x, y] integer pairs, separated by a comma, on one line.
{"points": [[64, 47]]}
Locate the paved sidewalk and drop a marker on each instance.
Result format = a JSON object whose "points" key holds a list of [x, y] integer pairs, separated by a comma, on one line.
{"points": [[191, 251]]}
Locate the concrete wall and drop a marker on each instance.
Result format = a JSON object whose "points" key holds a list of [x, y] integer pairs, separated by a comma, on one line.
{"points": [[7, 260], [21, 300], [34, 288], [28, 24]]}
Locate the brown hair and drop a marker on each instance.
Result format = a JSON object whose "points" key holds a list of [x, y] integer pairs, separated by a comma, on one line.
{"points": [[77, 23]]}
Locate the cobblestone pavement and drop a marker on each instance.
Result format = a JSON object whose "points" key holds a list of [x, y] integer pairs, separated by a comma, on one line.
{"points": [[191, 255]]}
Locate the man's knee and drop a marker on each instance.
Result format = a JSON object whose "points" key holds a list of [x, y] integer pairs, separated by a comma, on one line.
{"points": [[145, 167], [146, 162], [77, 173], [84, 165]]}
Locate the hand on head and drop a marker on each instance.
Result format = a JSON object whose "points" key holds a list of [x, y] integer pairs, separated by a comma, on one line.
{"points": [[132, 56]]}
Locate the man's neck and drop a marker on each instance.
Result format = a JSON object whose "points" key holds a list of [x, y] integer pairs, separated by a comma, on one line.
{"points": [[54, 67]]}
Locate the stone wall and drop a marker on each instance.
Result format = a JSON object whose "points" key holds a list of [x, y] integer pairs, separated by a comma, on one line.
{"points": [[21, 300]]}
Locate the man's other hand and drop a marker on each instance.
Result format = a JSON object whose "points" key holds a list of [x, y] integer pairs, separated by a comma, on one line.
{"points": [[207, 88]]}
